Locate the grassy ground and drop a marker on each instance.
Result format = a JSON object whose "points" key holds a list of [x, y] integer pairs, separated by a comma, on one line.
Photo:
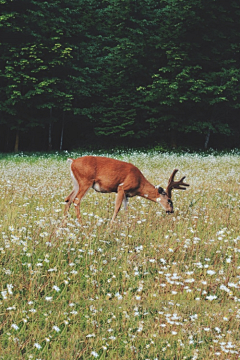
{"points": [[151, 286]]}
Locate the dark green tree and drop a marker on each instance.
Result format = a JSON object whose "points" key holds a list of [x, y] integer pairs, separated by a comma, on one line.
{"points": [[123, 70], [198, 86], [34, 62]]}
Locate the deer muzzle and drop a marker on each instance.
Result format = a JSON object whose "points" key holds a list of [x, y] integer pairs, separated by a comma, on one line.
{"points": [[170, 210]]}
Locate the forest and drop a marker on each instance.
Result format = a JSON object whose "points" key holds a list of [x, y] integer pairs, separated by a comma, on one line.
{"points": [[97, 73]]}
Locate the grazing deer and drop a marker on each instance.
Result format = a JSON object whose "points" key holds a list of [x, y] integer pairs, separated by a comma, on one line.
{"points": [[108, 175]]}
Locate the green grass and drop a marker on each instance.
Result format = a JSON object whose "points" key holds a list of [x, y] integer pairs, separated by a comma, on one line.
{"points": [[151, 286]]}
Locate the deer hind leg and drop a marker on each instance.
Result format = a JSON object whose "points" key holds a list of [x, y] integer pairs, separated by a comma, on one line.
{"points": [[78, 198], [69, 200], [119, 199]]}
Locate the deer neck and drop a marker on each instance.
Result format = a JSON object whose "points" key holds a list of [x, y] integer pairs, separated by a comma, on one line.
{"points": [[149, 191]]}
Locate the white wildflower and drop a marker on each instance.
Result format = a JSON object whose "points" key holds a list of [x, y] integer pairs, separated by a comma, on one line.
{"points": [[14, 326], [211, 272], [4, 294], [56, 328], [9, 288], [95, 354], [223, 287], [211, 297], [55, 287]]}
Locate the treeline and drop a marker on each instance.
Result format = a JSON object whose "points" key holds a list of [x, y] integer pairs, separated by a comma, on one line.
{"points": [[95, 72]]}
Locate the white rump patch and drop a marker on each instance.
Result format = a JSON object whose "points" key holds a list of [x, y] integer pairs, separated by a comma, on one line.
{"points": [[75, 185]]}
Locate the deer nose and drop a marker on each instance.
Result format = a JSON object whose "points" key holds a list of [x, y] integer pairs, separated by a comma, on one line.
{"points": [[169, 211]]}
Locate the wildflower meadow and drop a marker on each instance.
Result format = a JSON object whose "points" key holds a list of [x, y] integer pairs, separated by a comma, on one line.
{"points": [[152, 286]]}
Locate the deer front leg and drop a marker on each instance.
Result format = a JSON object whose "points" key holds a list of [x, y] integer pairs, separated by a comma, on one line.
{"points": [[119, 198], [125, 202]]}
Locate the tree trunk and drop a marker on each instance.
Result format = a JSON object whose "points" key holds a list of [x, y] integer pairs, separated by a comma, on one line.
{"points": [[50, 132], [16, 145], [6, 146], [173, 138], [62, 130], [207, 140]]}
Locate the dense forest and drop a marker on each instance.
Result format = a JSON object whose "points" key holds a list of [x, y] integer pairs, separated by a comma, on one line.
{"points": [[85, 73]]}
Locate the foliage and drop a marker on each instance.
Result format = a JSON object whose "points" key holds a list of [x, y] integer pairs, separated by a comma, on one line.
{"points": [[118, 70], [200, 77]]}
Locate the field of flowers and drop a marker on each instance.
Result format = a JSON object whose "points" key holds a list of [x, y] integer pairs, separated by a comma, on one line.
{"points": [[152, 286]]}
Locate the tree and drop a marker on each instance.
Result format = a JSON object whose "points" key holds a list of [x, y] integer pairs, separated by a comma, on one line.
{"points": [[119, 69], [198, 84], [33, 65]]}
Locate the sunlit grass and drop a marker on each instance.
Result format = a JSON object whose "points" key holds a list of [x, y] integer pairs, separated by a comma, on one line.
{"points": [[151, 286]]}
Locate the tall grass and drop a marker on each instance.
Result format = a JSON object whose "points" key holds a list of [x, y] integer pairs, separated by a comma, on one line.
{"points": [[151, 286]]}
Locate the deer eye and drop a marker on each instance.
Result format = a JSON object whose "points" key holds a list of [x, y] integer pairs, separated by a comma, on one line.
{"points": [[161, 191]]}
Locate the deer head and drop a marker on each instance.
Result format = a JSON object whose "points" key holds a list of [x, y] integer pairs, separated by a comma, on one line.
{"points": [[165, 201]]}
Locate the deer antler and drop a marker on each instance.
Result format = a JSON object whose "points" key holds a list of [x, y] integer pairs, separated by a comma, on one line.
{"points": [[175, 184]]}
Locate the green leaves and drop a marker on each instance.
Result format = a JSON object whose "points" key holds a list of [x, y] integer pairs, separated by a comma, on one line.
{"points": [[201, 68], [121, 68]]}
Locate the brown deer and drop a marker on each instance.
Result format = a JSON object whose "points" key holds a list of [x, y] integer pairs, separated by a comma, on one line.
{"points": [[108, 175]]}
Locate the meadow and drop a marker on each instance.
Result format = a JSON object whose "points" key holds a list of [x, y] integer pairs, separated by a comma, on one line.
{"points": [[152, 286]]}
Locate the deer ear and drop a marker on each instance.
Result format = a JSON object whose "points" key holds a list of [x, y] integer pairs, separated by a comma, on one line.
{"points": [[161, 190]]}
